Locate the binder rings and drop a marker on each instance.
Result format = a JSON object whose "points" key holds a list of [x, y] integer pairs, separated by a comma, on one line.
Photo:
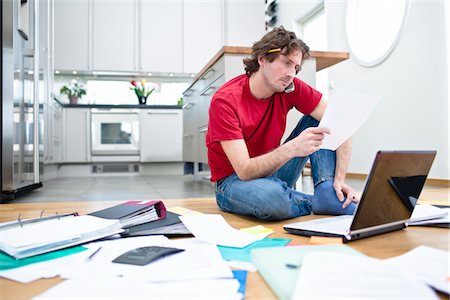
{"points": [[133, 213], [29, 238]]}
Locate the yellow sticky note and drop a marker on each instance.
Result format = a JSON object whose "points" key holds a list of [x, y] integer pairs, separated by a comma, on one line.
{"points": [[183, 211], [257, 229], [321, 240]]}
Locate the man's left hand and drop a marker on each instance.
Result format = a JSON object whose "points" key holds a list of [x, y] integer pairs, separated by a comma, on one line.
{"points": [[343, 190]]}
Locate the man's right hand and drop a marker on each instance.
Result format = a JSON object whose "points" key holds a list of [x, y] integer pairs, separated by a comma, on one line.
{"points": [[308, 141]]}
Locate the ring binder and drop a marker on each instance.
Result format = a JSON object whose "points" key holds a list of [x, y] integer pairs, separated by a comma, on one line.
{"points": [[25, 238], [34, 220]]}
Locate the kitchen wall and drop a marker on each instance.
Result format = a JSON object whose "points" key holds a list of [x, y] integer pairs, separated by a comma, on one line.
{"points": [[413, 82]]}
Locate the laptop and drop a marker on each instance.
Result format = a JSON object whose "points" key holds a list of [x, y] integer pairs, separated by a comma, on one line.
{"points": [[390, 194]]}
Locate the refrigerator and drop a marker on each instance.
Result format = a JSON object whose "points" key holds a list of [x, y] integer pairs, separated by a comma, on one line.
{"points": [[21, 112]]}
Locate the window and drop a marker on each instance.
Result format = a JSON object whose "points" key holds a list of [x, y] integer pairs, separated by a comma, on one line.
{"points": [[113, 91], [373, 28]]}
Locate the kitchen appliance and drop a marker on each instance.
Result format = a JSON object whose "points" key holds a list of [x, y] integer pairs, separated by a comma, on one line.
{"points": [[115, 131], [21, 148]]}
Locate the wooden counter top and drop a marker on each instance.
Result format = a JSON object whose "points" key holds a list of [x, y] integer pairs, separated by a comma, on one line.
{"points": [[324, 59]]}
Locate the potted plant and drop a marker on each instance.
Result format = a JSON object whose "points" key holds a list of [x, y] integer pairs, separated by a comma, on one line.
{"points": [[73, 90], [141, 90]]}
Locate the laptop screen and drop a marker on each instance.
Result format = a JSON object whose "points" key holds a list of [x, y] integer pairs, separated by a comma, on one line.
{"points": [[392, 188]]}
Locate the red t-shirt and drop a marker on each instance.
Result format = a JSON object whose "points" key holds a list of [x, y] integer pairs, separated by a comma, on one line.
{"points": [[236, 114]]}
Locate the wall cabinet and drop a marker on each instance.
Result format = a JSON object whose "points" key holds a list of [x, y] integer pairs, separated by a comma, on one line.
{"points": [[161, 135], [113, 36], [203, 33], [71, 35], [177, 36], [77, 135], [161, 36]]}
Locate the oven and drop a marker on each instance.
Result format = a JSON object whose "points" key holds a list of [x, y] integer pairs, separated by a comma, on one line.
{"points": [[115, 131]]}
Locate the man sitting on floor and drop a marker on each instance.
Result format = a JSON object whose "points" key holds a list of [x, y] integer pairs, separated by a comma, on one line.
{"points": [[254, 174]]}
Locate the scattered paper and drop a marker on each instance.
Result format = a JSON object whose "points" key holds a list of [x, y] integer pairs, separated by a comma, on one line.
{"points": [[430, 265], [337, 276], [182, 211], [243, 254], [123, 288], [346, 112], [214, 229], [257, 229]]}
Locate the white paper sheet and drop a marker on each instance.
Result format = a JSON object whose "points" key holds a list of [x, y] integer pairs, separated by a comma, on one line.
{"points": [[425, 212], [199, 261], [214, 229], [347, 110], [121, 288], [430, 265], [328, 275]]}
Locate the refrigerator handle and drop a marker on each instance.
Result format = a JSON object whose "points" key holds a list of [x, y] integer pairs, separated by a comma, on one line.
{"points": [[23, 19], [36, 108]]}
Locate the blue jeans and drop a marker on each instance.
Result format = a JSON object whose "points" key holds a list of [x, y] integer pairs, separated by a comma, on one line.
{"points": [[273, 197]]}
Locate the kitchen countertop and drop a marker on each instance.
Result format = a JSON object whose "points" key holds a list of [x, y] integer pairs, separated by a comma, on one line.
{"points": [[109, 106], [324, 59]]}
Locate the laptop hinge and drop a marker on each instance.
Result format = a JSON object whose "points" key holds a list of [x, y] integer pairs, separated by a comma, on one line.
{"points": [[364, 232]]}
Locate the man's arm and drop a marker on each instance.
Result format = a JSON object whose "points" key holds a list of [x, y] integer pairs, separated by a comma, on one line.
{"points": [[248, 168]]}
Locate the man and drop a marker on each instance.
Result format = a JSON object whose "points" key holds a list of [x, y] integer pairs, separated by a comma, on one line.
{"points": [[254, 174]]}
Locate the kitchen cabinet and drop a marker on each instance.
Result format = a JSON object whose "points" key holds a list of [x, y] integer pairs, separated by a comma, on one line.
{"points": [[161, 36], [77, 135], [197, 99], [161, 135], [71, 35], [114, 36], [203, 32], [53, 148]]}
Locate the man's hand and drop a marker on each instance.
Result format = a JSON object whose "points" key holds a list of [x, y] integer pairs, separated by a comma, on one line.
{"points": [[309, 141], [342, 191]]}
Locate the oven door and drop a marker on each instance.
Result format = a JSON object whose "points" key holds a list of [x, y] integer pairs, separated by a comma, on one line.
{"points": [[115, 132]]}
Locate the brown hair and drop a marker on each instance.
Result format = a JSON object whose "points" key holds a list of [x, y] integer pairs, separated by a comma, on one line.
{"points": [[278, 38]]}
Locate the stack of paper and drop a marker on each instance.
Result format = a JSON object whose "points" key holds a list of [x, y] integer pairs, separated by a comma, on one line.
{"points": [[29, 239], [429, 215]]}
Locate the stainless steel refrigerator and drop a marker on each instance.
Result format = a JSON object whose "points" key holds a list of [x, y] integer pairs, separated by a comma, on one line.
{"points": [[21, 112]]}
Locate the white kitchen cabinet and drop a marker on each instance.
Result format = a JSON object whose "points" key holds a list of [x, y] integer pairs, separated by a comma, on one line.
{"points": [[114, 36], [71, 35], [161, 36], [77, 135], [161, 135], [203, 32]]}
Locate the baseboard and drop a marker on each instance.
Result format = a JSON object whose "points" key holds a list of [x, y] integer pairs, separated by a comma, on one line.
{"points": [[429, 181]]}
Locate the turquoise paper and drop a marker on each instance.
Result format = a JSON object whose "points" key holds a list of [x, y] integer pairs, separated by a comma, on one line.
{"points": [[8, 262], [243, 254]]}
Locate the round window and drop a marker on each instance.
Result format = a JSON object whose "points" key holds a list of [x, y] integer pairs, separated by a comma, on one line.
{"points": [[373, 28]]}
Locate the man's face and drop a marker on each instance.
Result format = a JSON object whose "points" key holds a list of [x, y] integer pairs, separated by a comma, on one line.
{"points": [[281, 72]]}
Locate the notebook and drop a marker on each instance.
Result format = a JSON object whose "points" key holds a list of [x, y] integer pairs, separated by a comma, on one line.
{"points": [[390, 194]]}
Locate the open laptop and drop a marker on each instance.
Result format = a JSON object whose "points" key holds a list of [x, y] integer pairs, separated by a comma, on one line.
{"points": [[390, 194]]}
